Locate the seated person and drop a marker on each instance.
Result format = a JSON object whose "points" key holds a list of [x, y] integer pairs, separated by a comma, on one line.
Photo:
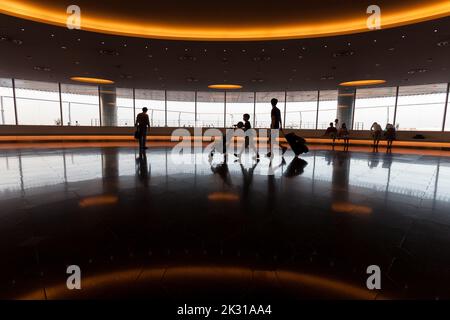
{"points": [[344, 134], [390, 135], [331, 132]]}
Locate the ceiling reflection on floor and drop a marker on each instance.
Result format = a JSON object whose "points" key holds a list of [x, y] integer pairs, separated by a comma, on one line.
{"points": [[328, 215]]}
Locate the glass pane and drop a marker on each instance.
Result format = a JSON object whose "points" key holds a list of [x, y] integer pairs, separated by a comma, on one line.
{"points": [[181, 108], [80, 105], [301, 109], [210, 109], [239, 103], [263, 108], [327, 108], [154, 100], [447, 121], [421, 107], [374, 105], [125, 112], [37, 103], [7, 115]]}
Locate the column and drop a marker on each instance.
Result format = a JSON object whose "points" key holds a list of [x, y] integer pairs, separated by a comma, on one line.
{"points": [[108, 106], [346, 106]]}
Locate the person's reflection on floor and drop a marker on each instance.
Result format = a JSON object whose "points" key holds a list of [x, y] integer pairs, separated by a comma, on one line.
{"points": [[330, 156], [247, 175], [387, 160], [221, 170], [142, 167], [295, 167], [374, 160], [272, 189]]}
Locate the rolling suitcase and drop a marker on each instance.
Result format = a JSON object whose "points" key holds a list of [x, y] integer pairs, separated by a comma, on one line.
{"points": [[298, 144]]}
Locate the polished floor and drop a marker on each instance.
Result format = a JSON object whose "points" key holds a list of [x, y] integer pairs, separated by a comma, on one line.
{"points": [[179, 226]]}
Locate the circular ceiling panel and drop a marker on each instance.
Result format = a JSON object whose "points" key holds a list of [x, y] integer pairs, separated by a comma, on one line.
{"points": [[227, 21]]}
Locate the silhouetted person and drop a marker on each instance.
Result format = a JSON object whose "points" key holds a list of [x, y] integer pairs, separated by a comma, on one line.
{"points": [[376, 134], [249, 138], [275, 123], [344, 134], [390, 136], [331, 132], [142, 123]]}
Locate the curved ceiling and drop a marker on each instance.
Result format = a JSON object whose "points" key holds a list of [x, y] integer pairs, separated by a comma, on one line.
{"points": [[230, 20]]}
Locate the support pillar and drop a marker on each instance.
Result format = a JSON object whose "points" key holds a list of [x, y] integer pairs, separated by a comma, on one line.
{"points": [[346, 106], [108, 106]]}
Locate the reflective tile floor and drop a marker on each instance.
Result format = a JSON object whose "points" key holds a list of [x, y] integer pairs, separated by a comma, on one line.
{"points": [[191, 226]]}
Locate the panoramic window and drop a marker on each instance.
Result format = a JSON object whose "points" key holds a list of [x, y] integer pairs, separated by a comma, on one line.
{"points": [[154, 101], [125, 111], [210, 109], [263, 108], [301, 109], [181, 108], [239, 103], [447, 120], [421, 107], [374, 105], [327, 108], [80, 105], [7, 114], [37, 103]]}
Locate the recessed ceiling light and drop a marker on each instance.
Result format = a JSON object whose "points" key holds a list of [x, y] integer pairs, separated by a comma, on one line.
{"points": [[225, 86], [349, 44], [92, 80], [361, 83], [22, 29], [403, 36], [78, 39], [435, 30], [52, 35]]}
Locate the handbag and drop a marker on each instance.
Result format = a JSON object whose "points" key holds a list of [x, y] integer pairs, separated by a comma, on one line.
{"points": [[137, 134]]}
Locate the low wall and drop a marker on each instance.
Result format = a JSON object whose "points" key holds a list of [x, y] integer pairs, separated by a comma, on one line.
{"points": [[80, 133]]}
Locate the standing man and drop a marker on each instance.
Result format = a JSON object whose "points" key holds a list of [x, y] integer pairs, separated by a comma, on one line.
{"points": [[275, 123], [142, 123]]}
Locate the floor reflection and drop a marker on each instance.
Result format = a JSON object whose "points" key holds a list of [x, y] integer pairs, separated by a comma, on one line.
{"points": [[328, 214]]}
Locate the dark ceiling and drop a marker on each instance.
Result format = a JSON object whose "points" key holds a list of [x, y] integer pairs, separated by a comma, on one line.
{"points": [[413, 54]]}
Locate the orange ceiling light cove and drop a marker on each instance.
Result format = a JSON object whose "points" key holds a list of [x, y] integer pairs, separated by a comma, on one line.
{"points": [[334, 24], [358, 83], [225, 86], [92, 80]]}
